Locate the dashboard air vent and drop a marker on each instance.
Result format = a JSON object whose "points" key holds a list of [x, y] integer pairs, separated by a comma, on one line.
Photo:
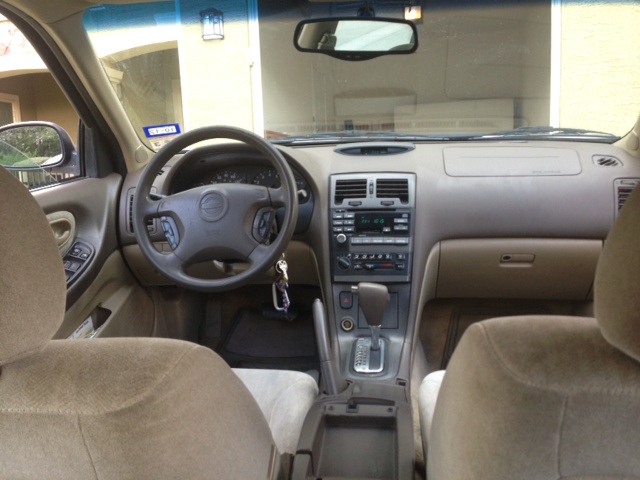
{"points": [[376, 150], [393, 188], [624, 188], [150, 222], [345, 189], [130, 211], [606, 161]]}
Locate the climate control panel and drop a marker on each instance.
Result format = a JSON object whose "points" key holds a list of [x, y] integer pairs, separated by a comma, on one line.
{"points": [[371, 244], [371, 226]]}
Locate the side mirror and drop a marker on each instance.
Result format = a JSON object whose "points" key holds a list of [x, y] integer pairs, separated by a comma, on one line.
{"points": [[38, 153], [356, 38]]}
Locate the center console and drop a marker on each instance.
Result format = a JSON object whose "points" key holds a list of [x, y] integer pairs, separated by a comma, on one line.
{"points": [[363, 427], [365, 433], [371, 218]]}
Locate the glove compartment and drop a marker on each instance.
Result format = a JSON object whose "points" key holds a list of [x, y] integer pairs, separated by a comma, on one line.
{"points": [[517, 268]]}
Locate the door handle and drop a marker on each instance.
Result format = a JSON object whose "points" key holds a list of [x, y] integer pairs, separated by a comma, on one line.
{"points": [[63, 225]]}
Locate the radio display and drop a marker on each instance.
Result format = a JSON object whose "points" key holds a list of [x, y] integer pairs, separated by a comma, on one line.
{"points": [[374, 222]]}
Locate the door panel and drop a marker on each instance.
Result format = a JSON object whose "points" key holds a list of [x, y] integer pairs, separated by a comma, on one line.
{"points": [[92, 202], [114, 305], [103, 290]]}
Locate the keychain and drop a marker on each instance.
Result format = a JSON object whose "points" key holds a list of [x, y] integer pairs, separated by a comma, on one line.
{"points": [[281, 284]]}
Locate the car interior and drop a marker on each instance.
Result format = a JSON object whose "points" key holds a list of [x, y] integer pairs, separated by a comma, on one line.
{"points": [[318, 240]]}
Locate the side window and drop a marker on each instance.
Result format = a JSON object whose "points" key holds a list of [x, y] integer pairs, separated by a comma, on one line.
{"points": [[9, 108], [38, 125]]}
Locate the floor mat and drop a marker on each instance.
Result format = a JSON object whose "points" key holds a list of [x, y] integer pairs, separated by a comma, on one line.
{"points": [[256, 341]]}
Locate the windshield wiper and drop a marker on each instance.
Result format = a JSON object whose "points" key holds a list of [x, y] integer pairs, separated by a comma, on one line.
{"points": [[356, 136], [547, 132]]}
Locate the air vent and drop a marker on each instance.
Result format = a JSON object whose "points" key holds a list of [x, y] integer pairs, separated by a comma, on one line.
{"points": [[151, 226], [606, 161], [624, 188], [130, 211], [373, 190], [375, 150], [393, 188], [346, 189]]}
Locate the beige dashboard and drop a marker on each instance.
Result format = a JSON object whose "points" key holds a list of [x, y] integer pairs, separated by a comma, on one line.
{"points": [[546, 205]]}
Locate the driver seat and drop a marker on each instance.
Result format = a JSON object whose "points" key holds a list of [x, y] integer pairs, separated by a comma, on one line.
{"points": [[122, 407]]}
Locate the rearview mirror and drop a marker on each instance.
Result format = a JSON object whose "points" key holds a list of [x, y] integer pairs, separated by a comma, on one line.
{"points": [[356, 38]]}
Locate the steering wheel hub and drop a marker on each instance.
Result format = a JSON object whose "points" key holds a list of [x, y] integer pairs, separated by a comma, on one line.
{"points": [[213, 206]]}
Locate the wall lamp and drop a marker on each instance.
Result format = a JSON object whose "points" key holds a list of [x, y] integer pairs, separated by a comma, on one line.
{"points": [[413, 13], [212, 24]]}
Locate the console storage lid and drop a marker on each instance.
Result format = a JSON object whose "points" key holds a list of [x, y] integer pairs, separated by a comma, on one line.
{"points": [[357, 437]]}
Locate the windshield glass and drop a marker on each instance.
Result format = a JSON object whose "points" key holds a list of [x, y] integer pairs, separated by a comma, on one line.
{"points": [[179, 65]]}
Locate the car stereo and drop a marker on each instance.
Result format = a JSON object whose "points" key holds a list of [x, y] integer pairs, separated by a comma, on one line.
{"points": [[371, 227]]}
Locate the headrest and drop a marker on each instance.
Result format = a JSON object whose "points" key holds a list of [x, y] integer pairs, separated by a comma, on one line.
{"points": [[32, 280], [617, 283]]}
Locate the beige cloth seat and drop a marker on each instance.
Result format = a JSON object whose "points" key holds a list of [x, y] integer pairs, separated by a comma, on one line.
{"points": [[121, 408], [547, 397]]}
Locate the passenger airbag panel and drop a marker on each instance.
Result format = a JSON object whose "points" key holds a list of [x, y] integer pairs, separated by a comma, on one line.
{"points": [[510, 161]]}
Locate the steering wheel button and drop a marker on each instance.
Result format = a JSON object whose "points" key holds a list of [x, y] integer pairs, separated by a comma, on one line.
{"points": [[171, 232]]}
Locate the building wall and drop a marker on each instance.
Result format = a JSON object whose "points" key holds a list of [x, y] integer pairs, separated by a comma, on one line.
{"points": [[596, 74], [41, 99], [218, 89]]}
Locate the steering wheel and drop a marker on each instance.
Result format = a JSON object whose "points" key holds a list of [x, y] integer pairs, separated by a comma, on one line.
{"points": [[225, 222]]}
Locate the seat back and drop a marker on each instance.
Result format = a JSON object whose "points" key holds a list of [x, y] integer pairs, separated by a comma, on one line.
{"points": [[549, 397], [108, 408]]}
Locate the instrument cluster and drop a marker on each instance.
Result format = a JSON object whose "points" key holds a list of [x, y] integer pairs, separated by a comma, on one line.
{"points": [[256, 175]]}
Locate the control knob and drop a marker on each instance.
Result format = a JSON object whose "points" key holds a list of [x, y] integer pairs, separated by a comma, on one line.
{"points": [[344, 263], [341, 238]]}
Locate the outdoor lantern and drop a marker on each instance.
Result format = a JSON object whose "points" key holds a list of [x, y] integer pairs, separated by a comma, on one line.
{"points": [[413, 13], [212, 24]]}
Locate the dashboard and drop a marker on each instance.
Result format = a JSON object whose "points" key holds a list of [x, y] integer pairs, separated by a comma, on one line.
{"points": [[439, 220], [460, 191]]}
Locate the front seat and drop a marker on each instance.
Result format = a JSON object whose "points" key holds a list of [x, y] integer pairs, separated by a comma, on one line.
{"points": [[547, 397], [120, 408]]}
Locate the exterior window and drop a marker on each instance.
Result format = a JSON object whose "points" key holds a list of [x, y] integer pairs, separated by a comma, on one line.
{"points": [[9, 108], [29, 93]]}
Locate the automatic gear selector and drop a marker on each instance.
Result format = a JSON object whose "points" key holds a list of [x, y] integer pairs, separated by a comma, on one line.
{"points": [[370, 351]]}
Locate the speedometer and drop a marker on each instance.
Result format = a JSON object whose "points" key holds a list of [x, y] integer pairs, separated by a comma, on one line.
{"points": [[267, 178], [270, 178], [228, 176]]}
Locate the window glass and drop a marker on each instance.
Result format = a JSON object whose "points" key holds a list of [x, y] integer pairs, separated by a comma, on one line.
{"points": [[477, 70], [29, 93]]}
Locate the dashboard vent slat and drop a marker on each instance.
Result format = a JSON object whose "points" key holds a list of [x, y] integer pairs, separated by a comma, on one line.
{"points": [[346, 189], [375, 150], [151, 225], [606, 161], [393, 188], [624, 188], [130, 212]]}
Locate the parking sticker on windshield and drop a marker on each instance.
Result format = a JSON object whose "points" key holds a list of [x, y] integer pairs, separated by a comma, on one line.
{"points": [[160, 135]]}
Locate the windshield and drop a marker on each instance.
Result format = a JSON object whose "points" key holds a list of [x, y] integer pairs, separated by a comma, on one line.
{"points": [[478, 70]]}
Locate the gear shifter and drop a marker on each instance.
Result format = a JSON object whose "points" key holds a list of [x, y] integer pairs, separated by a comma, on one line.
{"points": [[373, 300]]}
